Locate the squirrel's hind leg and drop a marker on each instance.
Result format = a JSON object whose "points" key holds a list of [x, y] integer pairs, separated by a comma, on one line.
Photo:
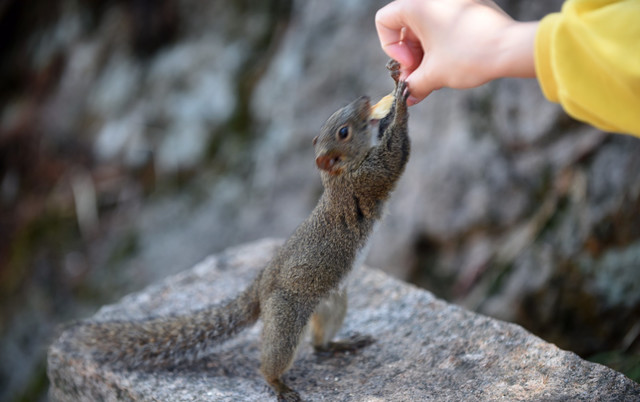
{"points": [[283, 392], [327, 320], [284, 322]]}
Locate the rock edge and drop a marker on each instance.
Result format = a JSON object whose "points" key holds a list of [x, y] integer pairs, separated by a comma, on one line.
{"points": [[426, 349]]}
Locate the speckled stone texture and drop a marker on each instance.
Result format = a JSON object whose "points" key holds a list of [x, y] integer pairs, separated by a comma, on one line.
{"points": [[425, 349]]}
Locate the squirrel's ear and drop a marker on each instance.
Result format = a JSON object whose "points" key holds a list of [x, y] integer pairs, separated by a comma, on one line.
{"points": [[314, 141]]}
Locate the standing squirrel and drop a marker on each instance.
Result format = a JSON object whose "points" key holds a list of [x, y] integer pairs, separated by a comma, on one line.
{"points": [[301, 286]]}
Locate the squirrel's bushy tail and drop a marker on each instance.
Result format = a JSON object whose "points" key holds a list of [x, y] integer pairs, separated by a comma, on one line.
{"points": [[164, 342]]}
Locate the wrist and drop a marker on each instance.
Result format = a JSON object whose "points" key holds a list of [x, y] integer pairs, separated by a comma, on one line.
{"points": [[516, 51]]}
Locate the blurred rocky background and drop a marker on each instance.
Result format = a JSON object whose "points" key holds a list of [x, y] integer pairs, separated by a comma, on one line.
{"points": [[137, 137]]}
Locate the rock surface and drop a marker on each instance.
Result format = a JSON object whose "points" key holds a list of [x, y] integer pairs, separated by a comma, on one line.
{"points": [[425, 349]]}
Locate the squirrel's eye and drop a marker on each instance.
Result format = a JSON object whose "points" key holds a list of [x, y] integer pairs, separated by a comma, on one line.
{"points": [[343, 133]]}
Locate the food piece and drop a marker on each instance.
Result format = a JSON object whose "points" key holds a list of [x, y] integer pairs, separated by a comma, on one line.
{"points": [[382, 108]]}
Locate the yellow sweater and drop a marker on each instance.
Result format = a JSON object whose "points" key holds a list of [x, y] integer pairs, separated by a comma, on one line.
{"points": [[588, 59]]}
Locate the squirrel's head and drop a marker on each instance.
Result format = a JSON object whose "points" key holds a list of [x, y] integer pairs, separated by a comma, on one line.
{"points": [[345, 138]]}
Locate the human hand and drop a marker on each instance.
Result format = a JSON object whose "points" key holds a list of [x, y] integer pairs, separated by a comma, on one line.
{"points": [[454, 43]]}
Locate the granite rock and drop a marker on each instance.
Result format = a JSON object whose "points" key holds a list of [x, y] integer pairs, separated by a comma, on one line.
{"points": [[425, 349]]}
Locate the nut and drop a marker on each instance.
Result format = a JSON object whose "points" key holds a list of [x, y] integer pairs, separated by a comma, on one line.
{"points": [[382, 108]]}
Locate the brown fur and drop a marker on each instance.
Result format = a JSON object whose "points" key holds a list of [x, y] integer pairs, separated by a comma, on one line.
{"points": [[302, 282]]}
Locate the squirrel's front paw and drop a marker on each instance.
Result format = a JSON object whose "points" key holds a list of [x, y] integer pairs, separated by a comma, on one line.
{"points": [[402, 94], [394, 69]]}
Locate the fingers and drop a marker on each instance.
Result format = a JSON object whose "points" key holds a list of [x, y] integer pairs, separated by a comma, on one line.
{"points": [[400, 42], [389, 24], [400, 52], [458, 44], [396, 38]]}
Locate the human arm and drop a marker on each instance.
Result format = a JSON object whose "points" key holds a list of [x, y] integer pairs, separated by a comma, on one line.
{"points": [[587, 57]]}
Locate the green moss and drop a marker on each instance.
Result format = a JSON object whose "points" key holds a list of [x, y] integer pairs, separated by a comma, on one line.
{"points": [[426, 273], [500, 273], [126, 247], [37, 386], [49, 234], [624, 362]]}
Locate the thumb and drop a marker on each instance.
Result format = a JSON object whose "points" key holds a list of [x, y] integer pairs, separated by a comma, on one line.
{"points": [[421, 82]]}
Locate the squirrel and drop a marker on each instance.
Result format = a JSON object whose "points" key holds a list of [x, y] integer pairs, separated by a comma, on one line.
{"points": [[301, 286]]}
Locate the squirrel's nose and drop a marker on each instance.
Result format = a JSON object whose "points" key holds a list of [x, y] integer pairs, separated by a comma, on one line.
{"points": [[327, 161]]}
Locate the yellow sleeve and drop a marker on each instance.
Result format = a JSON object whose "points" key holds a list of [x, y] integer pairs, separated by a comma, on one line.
{"points": [[588, 59]]}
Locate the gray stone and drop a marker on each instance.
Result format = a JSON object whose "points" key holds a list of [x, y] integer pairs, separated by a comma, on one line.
{"points": [[425, 349]]}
